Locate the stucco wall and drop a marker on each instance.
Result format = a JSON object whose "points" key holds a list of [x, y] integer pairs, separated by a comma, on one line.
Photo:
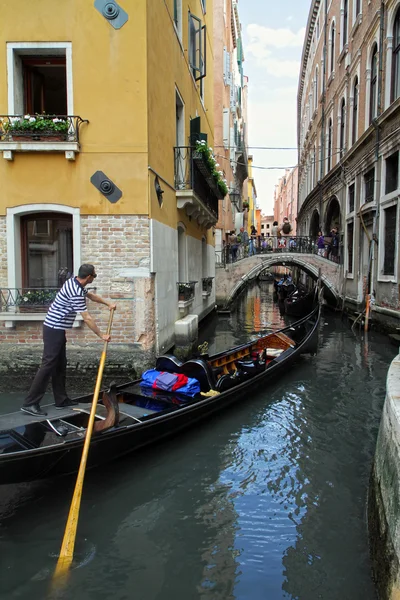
{"points": [[384, 495]]}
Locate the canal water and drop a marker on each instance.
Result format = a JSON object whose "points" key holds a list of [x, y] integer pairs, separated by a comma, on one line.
{"points": [[263, 502]]}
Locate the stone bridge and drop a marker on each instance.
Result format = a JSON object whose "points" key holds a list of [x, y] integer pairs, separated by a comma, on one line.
{"points": [[233, 277]]}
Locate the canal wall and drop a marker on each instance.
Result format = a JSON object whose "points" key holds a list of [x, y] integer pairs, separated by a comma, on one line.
{"points": [[384, 494]]}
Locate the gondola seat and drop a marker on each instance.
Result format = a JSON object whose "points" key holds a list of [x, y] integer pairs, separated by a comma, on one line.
{"points": [[169, 362], [226, 382], [199, 369], [250, 367]]}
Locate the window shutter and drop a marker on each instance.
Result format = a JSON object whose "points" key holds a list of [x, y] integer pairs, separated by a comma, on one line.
{"points": [[232, 98], [225, 127], [232, 143]]}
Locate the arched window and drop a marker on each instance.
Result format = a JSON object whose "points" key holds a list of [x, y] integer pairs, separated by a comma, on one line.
{"points": [[329, 148], [316, 89], [355, 111], [332, 57], [374, 84], [342, 126], [345, 21], [396, 58]]}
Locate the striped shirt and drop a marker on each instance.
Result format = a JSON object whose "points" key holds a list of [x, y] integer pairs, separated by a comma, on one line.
{"points": [[69, 300]]}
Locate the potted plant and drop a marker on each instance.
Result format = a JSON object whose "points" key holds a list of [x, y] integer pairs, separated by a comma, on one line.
{"points": [[37, 128], [36, 300], [204, 156], [245, 205]]}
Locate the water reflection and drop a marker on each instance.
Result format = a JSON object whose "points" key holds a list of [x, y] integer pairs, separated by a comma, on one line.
{"points": [[265, 501]]}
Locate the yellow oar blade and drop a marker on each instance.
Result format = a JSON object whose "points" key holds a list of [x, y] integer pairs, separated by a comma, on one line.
{"points": [[68, 544]]}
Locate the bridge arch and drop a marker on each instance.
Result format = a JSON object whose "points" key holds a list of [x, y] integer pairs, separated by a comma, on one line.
{"points": [[230, 283]]}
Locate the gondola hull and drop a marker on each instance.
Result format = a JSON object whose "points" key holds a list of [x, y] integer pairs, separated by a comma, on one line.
{"points": [[299, 306], [56, 455]]}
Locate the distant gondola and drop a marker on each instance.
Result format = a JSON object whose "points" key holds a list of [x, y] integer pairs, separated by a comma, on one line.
{"points": [[299, 303], [131, 416]]}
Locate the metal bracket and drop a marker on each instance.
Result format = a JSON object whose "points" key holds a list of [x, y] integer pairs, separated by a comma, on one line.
{"points": [[111, 11], [106, 187]]}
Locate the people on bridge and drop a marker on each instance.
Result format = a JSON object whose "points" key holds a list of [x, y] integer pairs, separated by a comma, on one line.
{"points": [[286, 227], [321, 244], [276, 233], [334, 245], [233, 243]]}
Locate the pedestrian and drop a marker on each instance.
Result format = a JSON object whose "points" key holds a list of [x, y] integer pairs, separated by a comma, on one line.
{"points": [[252, 242], [321, 244], [334, 244], [233, 242], [276, 233], [70, 299], [286, 227]]}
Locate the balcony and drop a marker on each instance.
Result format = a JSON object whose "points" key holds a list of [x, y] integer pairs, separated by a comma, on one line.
{"points": [[186, 294], [196, 189], [62, 137], [242, 167]]}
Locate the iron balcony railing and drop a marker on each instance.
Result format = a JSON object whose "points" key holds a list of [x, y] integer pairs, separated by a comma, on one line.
{"points": [[267, 245], [40, 128], [192, 173], [26, 299]]}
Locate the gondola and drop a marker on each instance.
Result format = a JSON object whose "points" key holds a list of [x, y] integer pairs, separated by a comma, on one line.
{"points": [[299, 303], [131, 416], [283, 289]]}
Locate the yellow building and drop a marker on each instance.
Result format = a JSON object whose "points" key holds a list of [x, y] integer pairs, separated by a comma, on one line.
{"points": [[251, 198], [111, 176]]}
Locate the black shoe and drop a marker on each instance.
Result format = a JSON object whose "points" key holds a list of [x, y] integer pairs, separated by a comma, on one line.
{"points": [[34, 410], [66, 404]]}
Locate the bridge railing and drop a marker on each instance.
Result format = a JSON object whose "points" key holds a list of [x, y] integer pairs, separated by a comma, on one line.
{"points": [[268, 246]]}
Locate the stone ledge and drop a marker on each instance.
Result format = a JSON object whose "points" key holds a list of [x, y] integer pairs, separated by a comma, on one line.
{"points": [[384, 493]]}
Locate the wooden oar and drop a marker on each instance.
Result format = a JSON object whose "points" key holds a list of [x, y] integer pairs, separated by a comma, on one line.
{"points": [[68, 544]]}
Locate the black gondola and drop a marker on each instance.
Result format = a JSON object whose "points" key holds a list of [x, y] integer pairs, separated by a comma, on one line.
{"points": [[299, 303], [131, 416]]}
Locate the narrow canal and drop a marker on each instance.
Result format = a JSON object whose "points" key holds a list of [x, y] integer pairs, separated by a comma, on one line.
{"points": [[266, 501]]}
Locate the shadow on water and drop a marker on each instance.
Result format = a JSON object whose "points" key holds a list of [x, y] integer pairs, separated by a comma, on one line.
{"points": [[265, 501]]}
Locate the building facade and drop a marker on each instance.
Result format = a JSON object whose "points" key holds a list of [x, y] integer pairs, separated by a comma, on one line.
{"points": [[285, 198], [125, 184], [230, 116], [348, 134]]}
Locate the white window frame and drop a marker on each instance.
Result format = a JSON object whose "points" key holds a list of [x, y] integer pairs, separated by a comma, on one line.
{"points": [[381, 247], [13, 224], [392, 195], [348, 213], [178, 27], [391, 14], [350, 113], [37, 48], [342, 42], [331, 60], [354, 16]]}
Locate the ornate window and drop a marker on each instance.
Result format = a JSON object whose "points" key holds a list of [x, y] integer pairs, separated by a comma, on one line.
{"points": [[332, 48], [329, 147], [345, 21], [355, 111], [342, 141], [396, 58], [374, 84]]}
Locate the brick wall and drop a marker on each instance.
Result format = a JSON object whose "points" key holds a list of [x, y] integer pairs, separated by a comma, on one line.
{"points": [[119, 247]]}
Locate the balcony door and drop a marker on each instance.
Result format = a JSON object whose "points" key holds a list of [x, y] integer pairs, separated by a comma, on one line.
{"points": [[46, 249], [45, 85]]}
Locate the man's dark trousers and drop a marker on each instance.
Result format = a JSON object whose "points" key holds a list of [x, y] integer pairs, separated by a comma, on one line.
{"points": [[54, 367]]}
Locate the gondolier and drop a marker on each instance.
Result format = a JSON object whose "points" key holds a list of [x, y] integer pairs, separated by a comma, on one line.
{"points": [[70, 300]]}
